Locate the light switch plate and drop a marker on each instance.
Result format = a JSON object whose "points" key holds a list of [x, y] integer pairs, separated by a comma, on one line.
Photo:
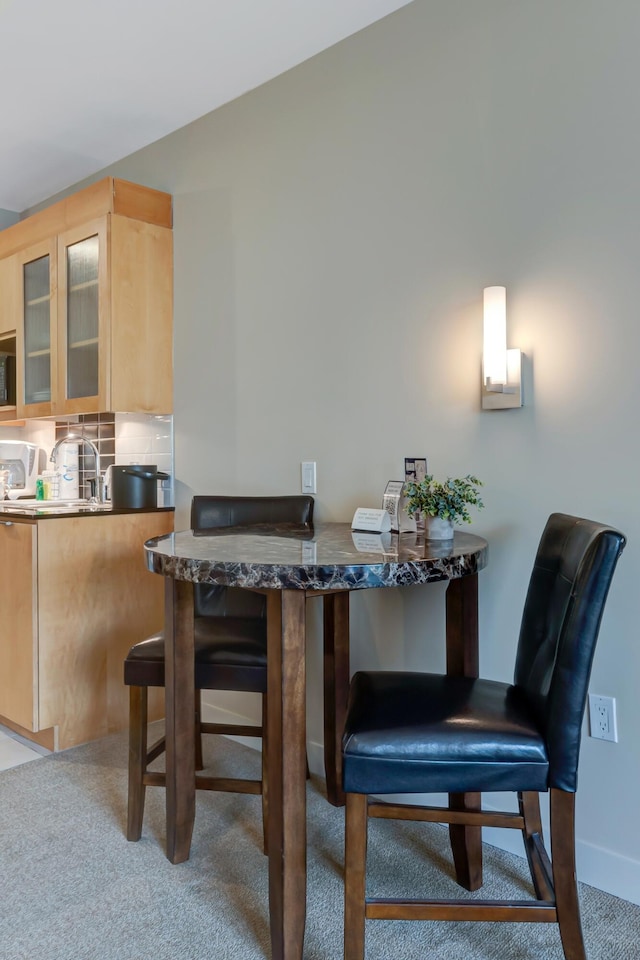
{"points": [[308, 476]]}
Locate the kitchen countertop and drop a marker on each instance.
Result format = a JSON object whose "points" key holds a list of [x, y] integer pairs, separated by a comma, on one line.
{"points": [[45, 509]]}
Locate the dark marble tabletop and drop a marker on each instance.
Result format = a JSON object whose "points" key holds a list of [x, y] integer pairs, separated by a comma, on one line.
{"points": [[327, 556]]}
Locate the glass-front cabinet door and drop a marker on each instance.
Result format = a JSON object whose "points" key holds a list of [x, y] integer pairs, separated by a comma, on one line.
{"points": [[82, 319], [36, 340]]}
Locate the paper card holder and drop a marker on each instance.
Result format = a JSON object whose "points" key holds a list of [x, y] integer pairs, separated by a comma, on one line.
{"points": [[371, 521], [394, 502]]}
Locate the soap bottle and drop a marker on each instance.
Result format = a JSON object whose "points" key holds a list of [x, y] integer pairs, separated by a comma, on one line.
{"points": [[39, 489]]}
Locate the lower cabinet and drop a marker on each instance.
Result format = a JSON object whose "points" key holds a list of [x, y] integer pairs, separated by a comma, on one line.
{"points": [[75, 595], [18, 639]]}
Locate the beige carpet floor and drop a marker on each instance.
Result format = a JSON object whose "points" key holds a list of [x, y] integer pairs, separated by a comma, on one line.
{"points": [[72, 888]]}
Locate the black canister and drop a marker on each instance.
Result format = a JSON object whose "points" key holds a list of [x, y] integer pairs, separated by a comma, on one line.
{"points": [[135, 486]]}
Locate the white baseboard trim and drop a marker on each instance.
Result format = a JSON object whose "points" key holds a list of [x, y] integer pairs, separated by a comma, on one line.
{"points": [[597, 866]]}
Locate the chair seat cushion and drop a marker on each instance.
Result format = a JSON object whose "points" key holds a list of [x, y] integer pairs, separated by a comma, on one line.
{"points": [[230, 654], [427, 733]]}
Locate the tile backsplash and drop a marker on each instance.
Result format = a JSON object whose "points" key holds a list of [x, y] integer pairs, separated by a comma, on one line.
{"points": [[100, 429], [120, 438], [141, 438]]}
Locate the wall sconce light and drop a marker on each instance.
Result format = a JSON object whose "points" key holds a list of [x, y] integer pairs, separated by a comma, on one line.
{"points": [[501, 368]]}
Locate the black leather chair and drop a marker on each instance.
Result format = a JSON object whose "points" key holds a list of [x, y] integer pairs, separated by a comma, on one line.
{"points": [[230, 630], [415, 733]]}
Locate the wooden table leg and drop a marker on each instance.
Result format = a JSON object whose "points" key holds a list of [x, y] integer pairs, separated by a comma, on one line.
{"points": [[180, 712], [286, 721], [336, 690], [462, 661]]}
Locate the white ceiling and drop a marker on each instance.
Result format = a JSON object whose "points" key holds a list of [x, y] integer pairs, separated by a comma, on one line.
{"points": [[86, 82]]}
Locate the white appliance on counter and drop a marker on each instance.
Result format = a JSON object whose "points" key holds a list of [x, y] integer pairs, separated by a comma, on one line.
{"points": [[21, 461], [68, 461]]}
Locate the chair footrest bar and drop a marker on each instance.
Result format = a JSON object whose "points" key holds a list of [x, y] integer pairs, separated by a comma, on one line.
{"points": [[154, 780], [232, 729], [155, 750], [405, 811], [209, 783], [539, 853], [229, 786], [524, 911]]}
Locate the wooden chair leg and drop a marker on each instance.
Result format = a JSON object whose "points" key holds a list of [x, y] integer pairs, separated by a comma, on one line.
{"points": [[137, 760], [198, 736], [336, 689], [265, 778], [355, 864], [539, 864], [466, 842], [562, 808]]}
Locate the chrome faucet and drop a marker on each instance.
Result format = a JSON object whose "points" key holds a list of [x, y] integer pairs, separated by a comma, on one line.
{"points": [[99, 487]]}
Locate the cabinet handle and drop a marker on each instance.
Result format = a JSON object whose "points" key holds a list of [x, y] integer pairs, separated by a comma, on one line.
{"points": [[7, 523]]}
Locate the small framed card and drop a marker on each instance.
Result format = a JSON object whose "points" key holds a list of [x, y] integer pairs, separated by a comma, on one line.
{"points": [[415, 469]]}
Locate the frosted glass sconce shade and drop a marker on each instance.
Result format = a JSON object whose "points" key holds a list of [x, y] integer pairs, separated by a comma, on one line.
{"points": [[501, 368], [495, 334]]}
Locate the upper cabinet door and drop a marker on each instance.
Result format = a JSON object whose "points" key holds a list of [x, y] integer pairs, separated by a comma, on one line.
{"points": [[83, 319], [36, 332], [87, 285], [9, 314]]}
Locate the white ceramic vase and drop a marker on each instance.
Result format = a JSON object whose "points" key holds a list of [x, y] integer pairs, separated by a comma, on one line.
{"points": [[437, 529]]}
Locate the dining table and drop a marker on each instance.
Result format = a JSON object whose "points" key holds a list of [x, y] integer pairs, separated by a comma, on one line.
{"points": [[290, 565]]}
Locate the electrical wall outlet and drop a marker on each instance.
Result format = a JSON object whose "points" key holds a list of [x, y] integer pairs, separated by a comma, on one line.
{"points": [[602, 718]]}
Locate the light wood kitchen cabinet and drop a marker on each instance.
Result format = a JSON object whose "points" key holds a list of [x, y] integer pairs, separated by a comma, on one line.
{"points": [[8, 410], [90, 297], [18, 643], [75, 595], [7, 297], [36, 328]]}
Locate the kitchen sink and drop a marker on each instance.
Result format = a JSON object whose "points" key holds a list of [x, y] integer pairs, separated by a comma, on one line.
{"points": [[44, 504], [34, 507]]}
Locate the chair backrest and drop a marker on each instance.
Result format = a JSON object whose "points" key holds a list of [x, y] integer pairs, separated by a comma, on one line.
{"points": [[565, 601], [213, 512]]}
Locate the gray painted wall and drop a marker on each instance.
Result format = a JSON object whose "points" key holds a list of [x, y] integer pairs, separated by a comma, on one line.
{"points": [[7, 218], [334, 230]]}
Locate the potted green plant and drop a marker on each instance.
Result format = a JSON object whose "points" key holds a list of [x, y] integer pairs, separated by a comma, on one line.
{"points": [[443, 503]]}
